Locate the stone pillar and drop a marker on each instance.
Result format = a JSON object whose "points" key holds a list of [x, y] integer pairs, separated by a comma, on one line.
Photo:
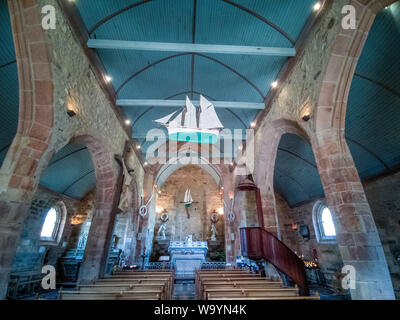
{"points": [[12, 214], [146, 222], [232, 245], [357, 235], [97, 246]]}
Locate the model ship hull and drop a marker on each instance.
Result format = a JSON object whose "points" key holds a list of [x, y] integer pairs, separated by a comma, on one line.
{"points": [[193, 135]]}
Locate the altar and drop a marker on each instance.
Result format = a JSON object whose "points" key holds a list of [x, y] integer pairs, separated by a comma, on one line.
{"points": [[187, 256]]}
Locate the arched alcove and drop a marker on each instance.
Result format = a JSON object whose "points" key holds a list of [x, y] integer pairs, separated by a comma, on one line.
{"points": [[206, 194]]}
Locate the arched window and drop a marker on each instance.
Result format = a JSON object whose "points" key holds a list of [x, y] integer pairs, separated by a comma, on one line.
{"points": [[49, 225], [325, 231], [53, 224]]}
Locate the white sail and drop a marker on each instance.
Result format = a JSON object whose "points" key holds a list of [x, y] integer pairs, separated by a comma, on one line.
{"points": [[190, 116], [177, 121], [164, 120], [208, 117], [188, 197]]}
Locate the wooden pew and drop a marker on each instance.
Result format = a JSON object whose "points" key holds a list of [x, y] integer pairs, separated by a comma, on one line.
{"points": [[118, 288], [111, 295], [316, 297], [233, 293], [253, 284]]}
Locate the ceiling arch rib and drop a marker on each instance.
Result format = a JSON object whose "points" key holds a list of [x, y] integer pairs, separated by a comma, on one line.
{"points": [[254, 14], [236, 5], [185, 54], [378, 83], [116, 13]]}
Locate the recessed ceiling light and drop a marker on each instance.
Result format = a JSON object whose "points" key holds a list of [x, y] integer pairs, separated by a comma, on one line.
{"points": [[127, 122], [108, 78], [145, 163], [240, 147], [317, 6], [253, 125], [274, 84], [138, 146]]}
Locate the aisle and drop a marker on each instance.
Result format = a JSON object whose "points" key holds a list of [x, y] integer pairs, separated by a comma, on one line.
{"points": [[184, 290]]}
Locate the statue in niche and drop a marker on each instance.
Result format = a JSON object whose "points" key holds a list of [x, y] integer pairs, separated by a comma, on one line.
{"points": [[163, 227], [214, 219]]}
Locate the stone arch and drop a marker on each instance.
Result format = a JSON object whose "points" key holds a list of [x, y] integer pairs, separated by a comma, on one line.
{"points": [[265, 166], [30, 149], [347, 49], [96, 251], [357, 235], [35, 120]]}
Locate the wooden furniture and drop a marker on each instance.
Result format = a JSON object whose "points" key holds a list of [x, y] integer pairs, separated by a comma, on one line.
{"points": [[242, 285], [125, 285]]}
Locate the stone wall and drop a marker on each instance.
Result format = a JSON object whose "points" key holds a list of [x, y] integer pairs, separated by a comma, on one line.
{"points": [[383, 195], [328, 255], [207, 198], [31, 250]]}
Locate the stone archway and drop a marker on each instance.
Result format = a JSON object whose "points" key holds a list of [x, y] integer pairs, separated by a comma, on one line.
{"points": [[265, 167], [96, 251], [357, 235], [29, 152]]}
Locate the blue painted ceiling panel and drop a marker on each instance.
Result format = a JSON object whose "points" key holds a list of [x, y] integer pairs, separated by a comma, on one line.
{"points": [[216, 22], [296, 175], [9, 95], [373, 111], [70, 172]]}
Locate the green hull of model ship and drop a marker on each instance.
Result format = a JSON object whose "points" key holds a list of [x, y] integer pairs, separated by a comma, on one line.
{"points": [[195, 137]]}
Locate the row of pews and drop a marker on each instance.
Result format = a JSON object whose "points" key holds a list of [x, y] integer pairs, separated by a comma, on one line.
{"points": [[240, 284], [125, 285]]}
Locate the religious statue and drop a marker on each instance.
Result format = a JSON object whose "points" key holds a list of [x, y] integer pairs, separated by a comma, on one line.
{"points": [[126, 194], [163, 227], [214, 219], [213, 233]]}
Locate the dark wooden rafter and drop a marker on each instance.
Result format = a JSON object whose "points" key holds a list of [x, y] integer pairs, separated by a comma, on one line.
{"points": [[378, 83], [8, 63], [288, 67], [373, 154], [116, 13], [263, 19]]}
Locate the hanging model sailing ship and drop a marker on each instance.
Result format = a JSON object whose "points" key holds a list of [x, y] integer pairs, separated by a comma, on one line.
{"points": [[189, 127], [188, 202]]}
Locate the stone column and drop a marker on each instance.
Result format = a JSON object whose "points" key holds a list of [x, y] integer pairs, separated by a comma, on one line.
{"points": [[357, 235], [146, 222], [97, 246], [232, 246], [12, 214]]}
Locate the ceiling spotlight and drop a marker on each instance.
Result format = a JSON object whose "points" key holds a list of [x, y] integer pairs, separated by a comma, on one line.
{"points": [[138, 147], [240, 147], [317, 6], [253, 124], [127, 122], [274, 84], [146, 163], [108, 78]]}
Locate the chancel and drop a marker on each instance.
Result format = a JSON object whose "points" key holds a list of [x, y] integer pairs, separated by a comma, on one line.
{"points": [[200, 149]]}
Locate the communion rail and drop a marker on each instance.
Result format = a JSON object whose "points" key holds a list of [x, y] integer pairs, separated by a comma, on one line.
{"points": [[258, 243]]}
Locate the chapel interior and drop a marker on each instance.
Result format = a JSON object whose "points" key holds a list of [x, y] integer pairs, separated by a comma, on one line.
{"points": [[199, 150]]}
